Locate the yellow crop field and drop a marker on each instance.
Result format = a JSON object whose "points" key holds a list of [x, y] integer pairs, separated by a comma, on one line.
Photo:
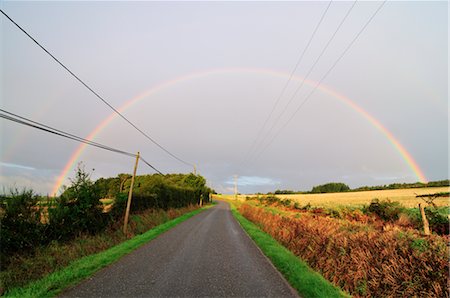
{"points": [[407, 197]]}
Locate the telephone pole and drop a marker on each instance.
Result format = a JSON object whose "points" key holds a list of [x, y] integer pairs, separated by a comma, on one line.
{"points": [[235, 186], [130, 195]]}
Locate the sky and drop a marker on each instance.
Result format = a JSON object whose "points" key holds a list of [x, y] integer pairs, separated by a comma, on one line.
{"points": [[205, 76]]}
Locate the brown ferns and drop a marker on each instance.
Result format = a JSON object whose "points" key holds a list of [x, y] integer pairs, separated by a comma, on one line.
{"points": [[362, 260]]}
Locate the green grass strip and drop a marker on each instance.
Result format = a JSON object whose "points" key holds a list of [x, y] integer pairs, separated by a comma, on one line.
{"points": [[79, 270], [301, 277]]}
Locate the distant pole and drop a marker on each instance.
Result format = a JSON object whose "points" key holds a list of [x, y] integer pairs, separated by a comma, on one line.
{"points": [[195, 170], [235, 186], [130, 193]]}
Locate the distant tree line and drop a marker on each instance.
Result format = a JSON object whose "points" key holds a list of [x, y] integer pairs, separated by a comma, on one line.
{"points": [[440, 183], [341, 187], [330, 187]]}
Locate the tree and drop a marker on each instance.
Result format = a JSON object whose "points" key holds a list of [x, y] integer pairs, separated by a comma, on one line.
{"points": [[330, 187], [123, 178], [79, 208]]}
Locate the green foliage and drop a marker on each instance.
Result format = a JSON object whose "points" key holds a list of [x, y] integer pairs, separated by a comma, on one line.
{"points": [[439, 222], [164, 191], [20, 225], [385, 209], [437, 218], [284, 192], [78, 209], [420, 244], [108, 187], [330, 187], [441, 183], [54, 283], [286, 203]]}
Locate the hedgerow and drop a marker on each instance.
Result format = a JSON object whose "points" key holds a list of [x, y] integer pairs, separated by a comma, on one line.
{"points": [[27, 222]]}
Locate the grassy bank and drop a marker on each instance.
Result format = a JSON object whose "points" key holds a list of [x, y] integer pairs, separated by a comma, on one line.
{"points": [[79, 269], [307, 282]]}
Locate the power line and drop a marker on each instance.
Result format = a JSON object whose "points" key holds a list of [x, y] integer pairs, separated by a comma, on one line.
{"points": [[95, 93], [323, 78], [289, 80], [54, 129], [141, 158], [277, 120], [34, 124], [79, 139]]}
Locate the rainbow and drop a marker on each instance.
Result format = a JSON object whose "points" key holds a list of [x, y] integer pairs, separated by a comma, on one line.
{"points": [[197, 75]]}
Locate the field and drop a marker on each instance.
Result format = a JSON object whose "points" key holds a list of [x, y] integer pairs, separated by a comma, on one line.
{"points": [[406, 197], [365, 249]]}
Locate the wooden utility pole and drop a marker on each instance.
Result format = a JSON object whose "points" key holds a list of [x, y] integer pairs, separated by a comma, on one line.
{"points": [[195, 170], [235, 186], [130, 193], [426, 225]]}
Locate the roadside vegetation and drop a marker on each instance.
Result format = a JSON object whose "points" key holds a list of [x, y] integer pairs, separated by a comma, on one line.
{"points": [[300, 276], [374, 250], [81, 268], [41, 235]]}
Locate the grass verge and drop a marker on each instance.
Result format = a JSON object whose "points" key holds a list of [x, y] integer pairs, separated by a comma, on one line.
{"points": [[301, 277], [56, 282]]}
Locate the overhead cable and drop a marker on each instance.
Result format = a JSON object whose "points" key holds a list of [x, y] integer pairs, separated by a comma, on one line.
{"points": [[283, 90], [279, 117], [34, 124], [94, 92], [323, 78]]}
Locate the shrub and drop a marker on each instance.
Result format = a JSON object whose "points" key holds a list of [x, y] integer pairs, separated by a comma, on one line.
{"points": [[439, 223], [437, 218], [270, 200], [78, 209], [286, 203], [165, 192], [20, 225], [386, 210]]}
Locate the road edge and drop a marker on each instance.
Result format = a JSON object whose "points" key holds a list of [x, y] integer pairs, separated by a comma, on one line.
{"points": [[56, 282], [307, 284]]}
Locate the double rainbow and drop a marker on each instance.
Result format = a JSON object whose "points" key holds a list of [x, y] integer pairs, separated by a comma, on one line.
{"points": [[192, 76]]}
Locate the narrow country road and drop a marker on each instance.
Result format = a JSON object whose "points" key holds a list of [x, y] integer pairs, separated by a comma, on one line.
{"points": [[207, 255]]}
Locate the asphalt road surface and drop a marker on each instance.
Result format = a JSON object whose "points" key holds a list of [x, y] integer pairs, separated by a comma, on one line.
{"points": [[207, 255]]}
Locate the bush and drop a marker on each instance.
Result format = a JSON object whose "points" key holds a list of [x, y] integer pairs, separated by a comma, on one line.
{"points": [[386, 210], [20, 225], [78, 209], [439, 223], [165, 192], [270, 200], [286, 203]]}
